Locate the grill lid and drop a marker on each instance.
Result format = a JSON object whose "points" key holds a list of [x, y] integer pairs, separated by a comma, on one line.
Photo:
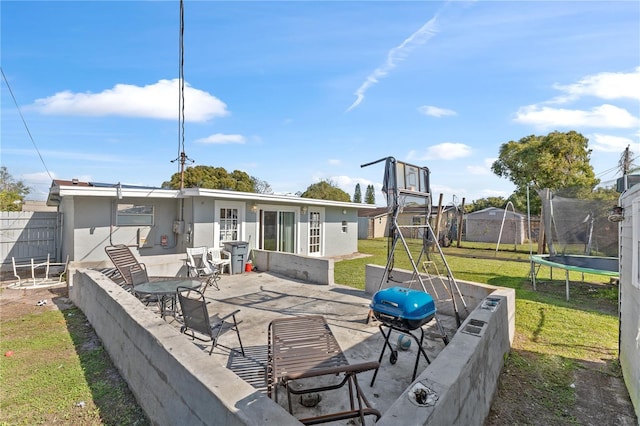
{"points": [[403, 303]]}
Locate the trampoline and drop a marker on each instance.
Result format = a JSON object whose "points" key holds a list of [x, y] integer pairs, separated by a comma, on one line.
{"points": [[607, 266]]}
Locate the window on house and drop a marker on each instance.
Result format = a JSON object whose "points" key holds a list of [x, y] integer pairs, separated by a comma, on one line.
{"points": [[344, 227], [228, 224], [314, 233], [133, 215]]}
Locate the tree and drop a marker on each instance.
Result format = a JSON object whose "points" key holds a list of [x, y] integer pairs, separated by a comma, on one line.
{"points": [[261, 186], [326, 190], [218, 178], [357, 195], [12, 193], [557, 160], [370, 195], [484, 203]]}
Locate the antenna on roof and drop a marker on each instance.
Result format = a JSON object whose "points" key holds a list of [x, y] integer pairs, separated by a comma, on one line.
{"points": [[182, 156]]}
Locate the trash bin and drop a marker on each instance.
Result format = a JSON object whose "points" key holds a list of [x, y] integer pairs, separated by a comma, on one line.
{"points": [[238, 252]]}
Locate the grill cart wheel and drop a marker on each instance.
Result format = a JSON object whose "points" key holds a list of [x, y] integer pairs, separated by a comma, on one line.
{"points": [[393, 357]]}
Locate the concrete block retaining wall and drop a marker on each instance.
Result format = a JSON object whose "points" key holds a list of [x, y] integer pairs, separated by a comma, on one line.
{"points": [[164, 373], [169, 383], [309, 269], [464, 376]]}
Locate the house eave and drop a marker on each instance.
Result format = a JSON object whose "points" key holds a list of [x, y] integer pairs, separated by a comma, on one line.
{"points": [[271, 198]]}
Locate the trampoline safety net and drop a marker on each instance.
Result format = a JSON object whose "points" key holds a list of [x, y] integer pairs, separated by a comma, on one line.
{"points": [[578, 226]]}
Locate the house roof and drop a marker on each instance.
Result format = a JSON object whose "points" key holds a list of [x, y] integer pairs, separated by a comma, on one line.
{"points": [[382, 211], [61, 188], [368, 212]]}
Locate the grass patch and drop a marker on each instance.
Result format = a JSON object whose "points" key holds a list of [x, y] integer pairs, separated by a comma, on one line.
{"points": [[60, 373]]}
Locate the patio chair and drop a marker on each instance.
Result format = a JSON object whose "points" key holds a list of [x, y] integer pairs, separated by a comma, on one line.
{"points": [[304, 347], [126, 264], [197, 321], [221, 258], [200, 266], [139, 276]]}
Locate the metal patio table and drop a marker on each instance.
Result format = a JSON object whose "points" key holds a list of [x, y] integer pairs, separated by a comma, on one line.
{"points": [[166, 290]]}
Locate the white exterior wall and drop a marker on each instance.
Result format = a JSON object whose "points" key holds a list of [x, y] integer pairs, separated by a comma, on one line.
{"points": [[630, 293], [89, 221], [336, 242], [89, 226]]}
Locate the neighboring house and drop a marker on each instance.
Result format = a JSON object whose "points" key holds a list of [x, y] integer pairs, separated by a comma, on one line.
{"points": [[37, 206], [487, 225], [164, 221], [373, 223], [630, 292]]}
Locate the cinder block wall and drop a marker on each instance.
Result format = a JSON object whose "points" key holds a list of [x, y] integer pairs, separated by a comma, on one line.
{"points": [[464, 376], [160, 365], [313, 270]]}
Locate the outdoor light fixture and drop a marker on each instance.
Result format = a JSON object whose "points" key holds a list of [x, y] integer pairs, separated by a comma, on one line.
{"points": [[304, 209], [254, 208], [119, 191], [344, 211]]}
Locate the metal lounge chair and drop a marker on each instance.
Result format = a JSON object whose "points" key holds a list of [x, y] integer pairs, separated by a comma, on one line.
{"points": [[200, 266], [304, 347], [126, 264], [199, 325]]}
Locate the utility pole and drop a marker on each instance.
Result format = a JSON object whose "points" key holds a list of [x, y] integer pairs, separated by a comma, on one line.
{"points": [[625, 161], [182, 157]]}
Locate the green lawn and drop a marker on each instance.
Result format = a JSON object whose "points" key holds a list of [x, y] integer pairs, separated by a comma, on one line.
{"points": [[59, 373]]}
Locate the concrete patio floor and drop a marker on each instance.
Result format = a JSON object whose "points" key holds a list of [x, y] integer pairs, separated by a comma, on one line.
{"points": [[262, 297]]}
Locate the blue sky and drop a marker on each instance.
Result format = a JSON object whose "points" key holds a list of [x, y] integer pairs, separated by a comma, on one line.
{"points": [[296, 92]]}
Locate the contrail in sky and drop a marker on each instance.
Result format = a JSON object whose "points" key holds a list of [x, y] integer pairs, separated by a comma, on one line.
{"points": [[396, 55]]}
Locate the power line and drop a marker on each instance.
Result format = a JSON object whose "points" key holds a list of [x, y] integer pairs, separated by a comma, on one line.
{"points": [[24, 122]]}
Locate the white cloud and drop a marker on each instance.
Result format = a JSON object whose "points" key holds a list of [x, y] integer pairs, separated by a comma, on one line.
{"points": [[394, 56], [605, 85], [334, 162], [158, 101], [221, 139], [608, 116], [435, 111], [493, 193], [443, 151], [484, 169], [610, 143], [39, 178]]}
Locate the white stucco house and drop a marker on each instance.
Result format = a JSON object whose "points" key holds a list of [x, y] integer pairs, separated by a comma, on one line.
{"points": [[163, 221], [629, 218]]}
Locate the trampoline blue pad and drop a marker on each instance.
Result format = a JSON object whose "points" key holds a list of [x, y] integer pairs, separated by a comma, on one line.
{"points": [[589, 264]]}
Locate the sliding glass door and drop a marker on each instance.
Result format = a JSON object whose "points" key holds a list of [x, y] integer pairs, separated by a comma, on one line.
{"points": [[278, 231]]}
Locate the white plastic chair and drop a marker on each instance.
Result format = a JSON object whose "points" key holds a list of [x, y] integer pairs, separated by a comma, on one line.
{"points": [[200, 266], [221, 258]]}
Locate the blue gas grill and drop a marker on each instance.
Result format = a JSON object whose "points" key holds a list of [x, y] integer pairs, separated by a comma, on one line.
{"points": [[403, 310]]}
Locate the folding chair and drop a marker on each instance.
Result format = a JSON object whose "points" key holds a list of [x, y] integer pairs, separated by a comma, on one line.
{"points": [[221, 258], [200, 266], [197, 320], [138, 275]]}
